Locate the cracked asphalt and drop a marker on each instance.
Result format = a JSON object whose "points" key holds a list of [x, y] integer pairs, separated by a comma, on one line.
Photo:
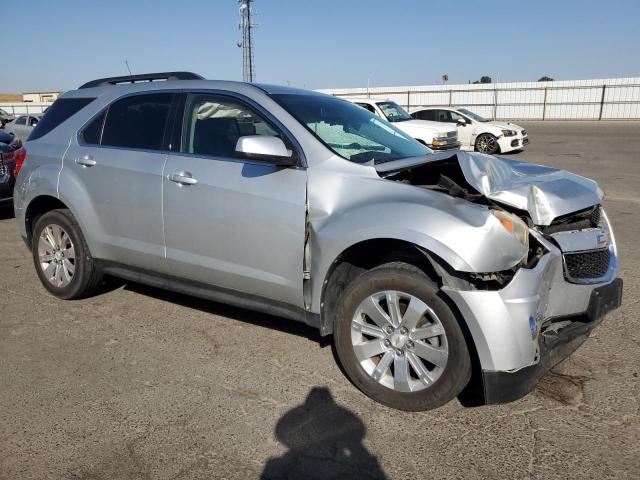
{"points": [[141, 383]]}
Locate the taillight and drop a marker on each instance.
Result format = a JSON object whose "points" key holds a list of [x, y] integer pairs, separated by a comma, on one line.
{"points": [[20, 156]]}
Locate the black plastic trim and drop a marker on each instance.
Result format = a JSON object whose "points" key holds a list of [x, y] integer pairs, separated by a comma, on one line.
{"points": [[145, 77], [209, 292]]}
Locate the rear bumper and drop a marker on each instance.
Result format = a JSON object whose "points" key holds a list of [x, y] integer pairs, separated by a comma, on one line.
{"points": [[6, 187], [555, 346]]}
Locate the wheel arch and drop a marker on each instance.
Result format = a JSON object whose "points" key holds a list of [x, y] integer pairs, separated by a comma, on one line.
{"points": [[37, 207], [367, 254]]}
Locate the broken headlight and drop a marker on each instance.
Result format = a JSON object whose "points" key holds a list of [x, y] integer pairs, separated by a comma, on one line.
{"points": [[514, 226]]}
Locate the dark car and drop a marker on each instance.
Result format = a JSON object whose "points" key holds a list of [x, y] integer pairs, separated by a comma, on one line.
{"points": [[12, 153], [5, 117]]}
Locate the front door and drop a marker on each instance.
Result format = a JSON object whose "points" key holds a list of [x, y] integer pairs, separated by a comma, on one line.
{"points": [[229, 222]]}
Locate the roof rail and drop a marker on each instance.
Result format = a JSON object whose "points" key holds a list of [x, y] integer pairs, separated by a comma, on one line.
{"points": [[145, 77]]}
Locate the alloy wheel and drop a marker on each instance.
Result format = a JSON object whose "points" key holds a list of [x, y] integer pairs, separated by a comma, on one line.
{"points": [[487, 144], [399, 341], [56, 255]]}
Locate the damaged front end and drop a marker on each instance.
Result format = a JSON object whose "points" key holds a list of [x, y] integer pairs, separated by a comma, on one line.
{"points": [[531, 315]]}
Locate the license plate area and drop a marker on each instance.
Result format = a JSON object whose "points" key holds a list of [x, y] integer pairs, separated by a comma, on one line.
{"points": [[605, 299]]}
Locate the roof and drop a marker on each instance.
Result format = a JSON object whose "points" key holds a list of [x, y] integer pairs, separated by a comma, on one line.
{"points": [[235, 86]]}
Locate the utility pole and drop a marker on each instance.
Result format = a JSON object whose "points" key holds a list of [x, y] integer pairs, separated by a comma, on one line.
{"points": [[246, 25]]}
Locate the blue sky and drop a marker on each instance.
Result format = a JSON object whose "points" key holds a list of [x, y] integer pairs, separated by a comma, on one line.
{"points": [[321, 43]]}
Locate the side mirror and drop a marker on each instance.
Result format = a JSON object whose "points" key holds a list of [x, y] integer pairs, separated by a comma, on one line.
{"points": [[266, 149], [462, 122]]}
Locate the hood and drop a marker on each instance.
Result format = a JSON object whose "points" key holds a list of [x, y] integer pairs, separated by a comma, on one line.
{"points": [[504, 125], [437, 127], [544, 192]]}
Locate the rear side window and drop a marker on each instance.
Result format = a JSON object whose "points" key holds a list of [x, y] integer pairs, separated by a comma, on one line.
{"points": [[426, 115], [92, 134], [62, 109], [138, 121], [21, 121]]}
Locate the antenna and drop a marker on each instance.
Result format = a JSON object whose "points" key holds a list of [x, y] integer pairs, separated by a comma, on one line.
{"points": [[246, 25], [128, 68]]}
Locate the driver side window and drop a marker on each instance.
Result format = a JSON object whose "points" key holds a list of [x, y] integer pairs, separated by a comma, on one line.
{"points": [[213, 124]]}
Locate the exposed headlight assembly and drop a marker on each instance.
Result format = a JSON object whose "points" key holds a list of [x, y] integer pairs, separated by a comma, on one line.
{"points": [[514, 226], [509, 133]]}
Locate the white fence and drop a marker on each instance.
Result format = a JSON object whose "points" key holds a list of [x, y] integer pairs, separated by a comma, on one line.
{"points": [[606, 99], [23, 108]]}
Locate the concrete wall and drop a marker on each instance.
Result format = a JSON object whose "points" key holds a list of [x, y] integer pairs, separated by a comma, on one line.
{"points": [[20, 108], [598, 99]]}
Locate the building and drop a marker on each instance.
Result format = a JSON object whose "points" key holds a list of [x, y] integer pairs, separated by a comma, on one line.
{"points": [[40, 97]]}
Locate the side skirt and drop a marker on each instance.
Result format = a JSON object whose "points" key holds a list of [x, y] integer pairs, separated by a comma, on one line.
{"points": [[209, 292]]}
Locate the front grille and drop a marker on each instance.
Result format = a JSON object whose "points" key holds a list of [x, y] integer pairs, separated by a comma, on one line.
{"points": [[591, 264]]}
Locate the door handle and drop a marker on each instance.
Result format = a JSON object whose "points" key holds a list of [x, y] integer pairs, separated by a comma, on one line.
{"points": [[86, 161], [183, 178]]}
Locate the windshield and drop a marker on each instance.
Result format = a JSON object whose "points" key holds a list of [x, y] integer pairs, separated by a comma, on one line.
{"points": [[394, 112], [349, 130], [473, 116]]}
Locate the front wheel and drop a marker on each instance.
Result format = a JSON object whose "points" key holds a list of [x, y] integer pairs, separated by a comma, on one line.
{"points": [[487, 143], [398, 340]]}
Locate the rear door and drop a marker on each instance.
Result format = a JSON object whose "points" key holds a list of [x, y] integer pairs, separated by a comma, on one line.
{"points": [[118, 162], [233, 223]]}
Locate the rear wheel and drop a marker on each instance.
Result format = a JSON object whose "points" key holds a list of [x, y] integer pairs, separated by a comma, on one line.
{"points": [[487, 143], [398, 340], [61, 256]]}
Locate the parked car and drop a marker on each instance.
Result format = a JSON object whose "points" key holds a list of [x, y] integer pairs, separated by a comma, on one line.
{"points": [[11, 153], [432, 134], [478, 133], [436, 272], [5, 117], [22, 126]]}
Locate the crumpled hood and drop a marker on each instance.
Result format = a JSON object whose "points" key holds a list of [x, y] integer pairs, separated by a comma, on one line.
{"points": [[544, 192]]}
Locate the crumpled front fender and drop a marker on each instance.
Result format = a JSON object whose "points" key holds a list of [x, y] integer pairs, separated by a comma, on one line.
{"points": [[354, 209]]}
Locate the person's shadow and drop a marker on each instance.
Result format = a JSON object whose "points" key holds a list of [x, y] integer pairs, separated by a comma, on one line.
{"points": [[324, 441]]}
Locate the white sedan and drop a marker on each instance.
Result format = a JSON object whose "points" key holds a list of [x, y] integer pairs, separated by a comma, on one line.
{"points": [[434, 135], [477, 133], [21, 127]]}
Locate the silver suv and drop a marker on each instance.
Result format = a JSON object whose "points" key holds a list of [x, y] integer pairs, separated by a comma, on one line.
{"points": [[439, 274]]}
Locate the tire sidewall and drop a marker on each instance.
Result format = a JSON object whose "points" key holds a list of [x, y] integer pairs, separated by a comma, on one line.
{"points": [[61, 218], [458, 369]]}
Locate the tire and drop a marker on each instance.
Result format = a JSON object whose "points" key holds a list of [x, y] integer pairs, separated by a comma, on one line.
{"points": [[69, 273], [409, 390], [487, 143]]}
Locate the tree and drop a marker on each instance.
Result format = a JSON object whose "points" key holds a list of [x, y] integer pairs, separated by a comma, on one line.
{"points": [[483, 79], [545, 79]]}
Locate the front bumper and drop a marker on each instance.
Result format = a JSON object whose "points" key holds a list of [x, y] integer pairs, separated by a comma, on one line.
{"points": [[555, 346], [448, 146], [539, 318], [517, 142]]}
